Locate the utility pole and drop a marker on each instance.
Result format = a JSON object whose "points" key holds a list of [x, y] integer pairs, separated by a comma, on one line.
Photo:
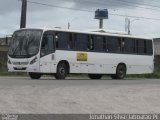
{"points": [[69, 25], [23, 14], [128, 25]]}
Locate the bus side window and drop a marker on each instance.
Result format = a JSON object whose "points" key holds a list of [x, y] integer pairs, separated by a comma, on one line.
{"points": [[47, 45], [145, 47], [70, 42], [149, 47], [44, 42], [104, 44], [91, 43], [136, 46], [98, 43], [56, 40], [109, 44], [141, 47], [80, 42], [113, 44], [64, 40], [129, 46], [123, 42], [119, 45]]}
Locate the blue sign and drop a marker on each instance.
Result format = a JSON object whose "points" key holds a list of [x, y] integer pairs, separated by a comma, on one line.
{"points": [[101, 14]]}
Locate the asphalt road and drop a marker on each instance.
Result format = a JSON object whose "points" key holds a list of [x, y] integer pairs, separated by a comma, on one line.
{"points": [[22, 95]]}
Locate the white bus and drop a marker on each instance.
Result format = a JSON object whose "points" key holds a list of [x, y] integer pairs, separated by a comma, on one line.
{"points": [[61, 52]]}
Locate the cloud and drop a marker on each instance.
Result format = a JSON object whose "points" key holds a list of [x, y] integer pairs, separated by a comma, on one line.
{"points": [[8, 6], [110, 4], [45, 16]]}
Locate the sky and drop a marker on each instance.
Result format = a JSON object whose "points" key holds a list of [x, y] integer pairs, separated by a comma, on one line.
{"points": [[44, 16]]}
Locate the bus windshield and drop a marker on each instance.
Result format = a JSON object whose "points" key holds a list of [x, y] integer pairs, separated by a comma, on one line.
{"points": [[25, 43]]}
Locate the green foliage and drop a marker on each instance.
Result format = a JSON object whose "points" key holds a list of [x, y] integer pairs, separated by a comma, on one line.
{"points": [[6, 73], [155, 75]]}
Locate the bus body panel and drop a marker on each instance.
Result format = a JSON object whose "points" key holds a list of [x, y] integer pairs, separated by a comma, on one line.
{"points": [[47, 64], [136, 64]]}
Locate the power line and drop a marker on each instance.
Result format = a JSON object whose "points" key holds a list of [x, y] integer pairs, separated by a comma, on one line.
{"points": [[138, 17], [112, 2], [155, 6], [131, 4], [148, 1], [77, 9], [155, 1], [124, 3], [108, 4], [45, 4]]}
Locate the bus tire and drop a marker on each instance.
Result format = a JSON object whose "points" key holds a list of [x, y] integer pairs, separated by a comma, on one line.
{"points": [[95, 76], [35, 75], [62, 71], [120, 72]]}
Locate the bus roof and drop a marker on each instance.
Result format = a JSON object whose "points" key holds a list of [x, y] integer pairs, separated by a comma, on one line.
{"points": [[96, 32]]}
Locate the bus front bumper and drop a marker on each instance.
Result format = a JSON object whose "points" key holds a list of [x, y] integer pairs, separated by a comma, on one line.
{"points": [[22, 68]]}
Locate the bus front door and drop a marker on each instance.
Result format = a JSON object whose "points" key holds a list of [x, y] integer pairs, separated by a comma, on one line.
{"points": [[47, 50]]}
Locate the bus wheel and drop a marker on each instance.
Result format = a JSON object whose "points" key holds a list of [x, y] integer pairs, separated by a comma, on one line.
{"points": [[61, 71], [95, 76], [120, 72], [35, 75]]}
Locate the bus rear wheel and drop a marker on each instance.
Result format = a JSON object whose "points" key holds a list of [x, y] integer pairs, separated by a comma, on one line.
{"points": [[95, 76], [120, 72], [62, 71], [35, 75]]}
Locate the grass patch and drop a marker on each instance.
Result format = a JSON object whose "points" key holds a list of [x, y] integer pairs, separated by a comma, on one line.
{"points": [[6, 73], [155, 75]]}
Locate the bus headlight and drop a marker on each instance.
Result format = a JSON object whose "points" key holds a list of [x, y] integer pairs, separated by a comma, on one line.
{"points": [[9, 62], [34, 60]]}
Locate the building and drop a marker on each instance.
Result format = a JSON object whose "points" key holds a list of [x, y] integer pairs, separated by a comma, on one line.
{"points": [[5, 40], [4, 43], [156, 46], [157, 53]]}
